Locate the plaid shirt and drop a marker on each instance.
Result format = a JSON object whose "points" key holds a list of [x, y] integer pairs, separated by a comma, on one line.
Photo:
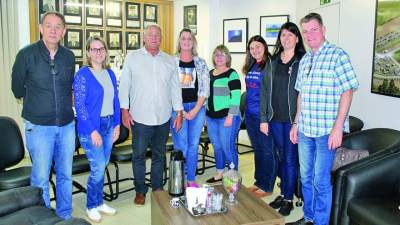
{"points": [[323, 77]]}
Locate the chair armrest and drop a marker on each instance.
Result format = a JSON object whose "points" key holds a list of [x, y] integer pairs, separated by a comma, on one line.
{"points": [[19, 198]]}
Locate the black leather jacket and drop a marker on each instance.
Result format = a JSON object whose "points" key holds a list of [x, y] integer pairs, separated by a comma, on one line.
{"points": [[46, 89], [266, 110]]}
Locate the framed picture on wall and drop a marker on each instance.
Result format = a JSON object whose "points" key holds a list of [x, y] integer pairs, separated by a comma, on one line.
{"points": [[190, 18], [270, 26], [132, 12], [48, 5], [150, 14], [94, 12], [386, 61], [78, 65], [235, 34], [73, 11], [114, 42], [73, 40], [93, 32], [114, 13], [132, 40]]}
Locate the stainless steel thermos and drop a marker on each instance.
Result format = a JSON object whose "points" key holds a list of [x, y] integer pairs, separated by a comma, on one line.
{"points": [[176, 174]]}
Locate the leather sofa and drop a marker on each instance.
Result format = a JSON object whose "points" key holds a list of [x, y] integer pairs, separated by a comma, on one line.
{"points": [[25, 206], [382, 144]]}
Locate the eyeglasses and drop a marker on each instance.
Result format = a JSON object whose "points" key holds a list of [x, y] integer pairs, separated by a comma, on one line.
{"points": [[98, 50], [53, 69]]}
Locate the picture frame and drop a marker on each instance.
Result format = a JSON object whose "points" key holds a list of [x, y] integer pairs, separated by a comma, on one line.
{"points": [[114, 13], [270, 26], [78, 65], [114, 42], [73, 40], [190, 18], [132, 40], [94, 12], [150, 14], [235, 34], [91, 32], [72, 10], [48, 5], [386, 58], [132, 12]]}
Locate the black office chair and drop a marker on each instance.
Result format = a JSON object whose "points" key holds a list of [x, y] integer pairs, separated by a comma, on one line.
{"points": [[243, 124], [204, 156], [11, 153]]}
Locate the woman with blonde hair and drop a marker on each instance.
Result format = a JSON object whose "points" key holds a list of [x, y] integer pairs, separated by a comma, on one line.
{"points": [[98, 120], [194, 80]]}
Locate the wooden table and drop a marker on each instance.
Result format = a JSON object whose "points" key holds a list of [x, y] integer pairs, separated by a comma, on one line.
{"points": [[250, 210]]}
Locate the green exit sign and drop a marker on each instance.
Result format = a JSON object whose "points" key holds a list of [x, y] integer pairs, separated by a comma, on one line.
{"points": [[323, 2]]}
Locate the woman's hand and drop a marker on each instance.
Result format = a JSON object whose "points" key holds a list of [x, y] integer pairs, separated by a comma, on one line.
{"points": [[228, 121], [96, 138], [115, 133], [264, 128]]}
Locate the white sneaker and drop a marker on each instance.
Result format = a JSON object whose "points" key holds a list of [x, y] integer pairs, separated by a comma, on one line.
{"points": [[94, 215], [104, 208]]}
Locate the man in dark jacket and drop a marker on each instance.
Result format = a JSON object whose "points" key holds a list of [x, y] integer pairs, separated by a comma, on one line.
{"points": [[42, 76]]}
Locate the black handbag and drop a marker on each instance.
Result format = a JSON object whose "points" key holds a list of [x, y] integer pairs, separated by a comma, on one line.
{"points": [[345, 156]]}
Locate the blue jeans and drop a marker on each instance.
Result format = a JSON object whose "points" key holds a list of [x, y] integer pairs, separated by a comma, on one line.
{"points": [[144, 136], [45, 145], [316, 162], [98, 158], [188, 138], [288, 157], [223, 140], [264, 155]]}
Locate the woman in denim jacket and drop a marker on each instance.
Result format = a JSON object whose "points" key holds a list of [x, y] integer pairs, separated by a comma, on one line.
{"points": [[194, 80]]}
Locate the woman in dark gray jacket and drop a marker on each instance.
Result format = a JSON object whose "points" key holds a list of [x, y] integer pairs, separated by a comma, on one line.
{"points": [[278, 109]]}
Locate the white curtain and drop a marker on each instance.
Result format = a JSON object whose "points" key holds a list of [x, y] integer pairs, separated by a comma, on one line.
{"points": [[9, 46]]}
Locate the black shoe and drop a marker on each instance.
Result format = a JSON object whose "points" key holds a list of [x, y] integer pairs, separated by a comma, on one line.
{"points": [[213, 180], [277, 203], [286, 208], [301, 221]]}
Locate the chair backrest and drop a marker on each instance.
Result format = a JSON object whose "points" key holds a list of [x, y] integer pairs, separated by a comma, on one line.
{"points": [[123, 134], [374, 140], [11, 143], [242, 106]]}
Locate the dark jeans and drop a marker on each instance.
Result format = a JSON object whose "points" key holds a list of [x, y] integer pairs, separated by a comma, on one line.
{"points": [[144, 136], [288, 157], [264, 155]]}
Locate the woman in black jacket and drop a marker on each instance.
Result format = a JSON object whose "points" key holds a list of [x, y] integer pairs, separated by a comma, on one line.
{"points": [[278, 108]]}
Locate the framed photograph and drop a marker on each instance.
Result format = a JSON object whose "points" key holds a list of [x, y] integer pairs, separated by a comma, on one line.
{"points": [[94, 12], [73, 12], [132, 11], [78, 65], [235, 34], [386, 61], [73, 40], [150, 14], [93, 32], [114, 42], [114, 13], [132, 40], [270, 26], [190, 17], [48, 5]]}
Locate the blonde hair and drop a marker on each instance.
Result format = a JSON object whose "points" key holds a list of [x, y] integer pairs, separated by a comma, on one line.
{"points": [[88, 61], [223, 49], [194, 48]]}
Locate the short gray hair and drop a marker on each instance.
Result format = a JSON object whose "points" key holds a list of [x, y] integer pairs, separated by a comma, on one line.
{"points": [[152, 26], [312, 16]]}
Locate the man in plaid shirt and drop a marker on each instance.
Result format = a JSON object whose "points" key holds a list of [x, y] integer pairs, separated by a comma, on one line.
{"points": [[325, 82]]}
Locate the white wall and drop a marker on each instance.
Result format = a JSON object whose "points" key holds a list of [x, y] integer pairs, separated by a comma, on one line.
{"points": [[356, 36]]}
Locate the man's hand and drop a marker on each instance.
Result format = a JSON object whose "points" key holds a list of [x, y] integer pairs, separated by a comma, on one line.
{"points": [[127, 119], [177, 123], [335, 138], [96, 138], [293, 134], [264, 128], [116, 133]]}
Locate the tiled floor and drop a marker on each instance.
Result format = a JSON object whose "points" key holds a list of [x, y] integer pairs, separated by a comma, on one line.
{"points": [[129, 214]]}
